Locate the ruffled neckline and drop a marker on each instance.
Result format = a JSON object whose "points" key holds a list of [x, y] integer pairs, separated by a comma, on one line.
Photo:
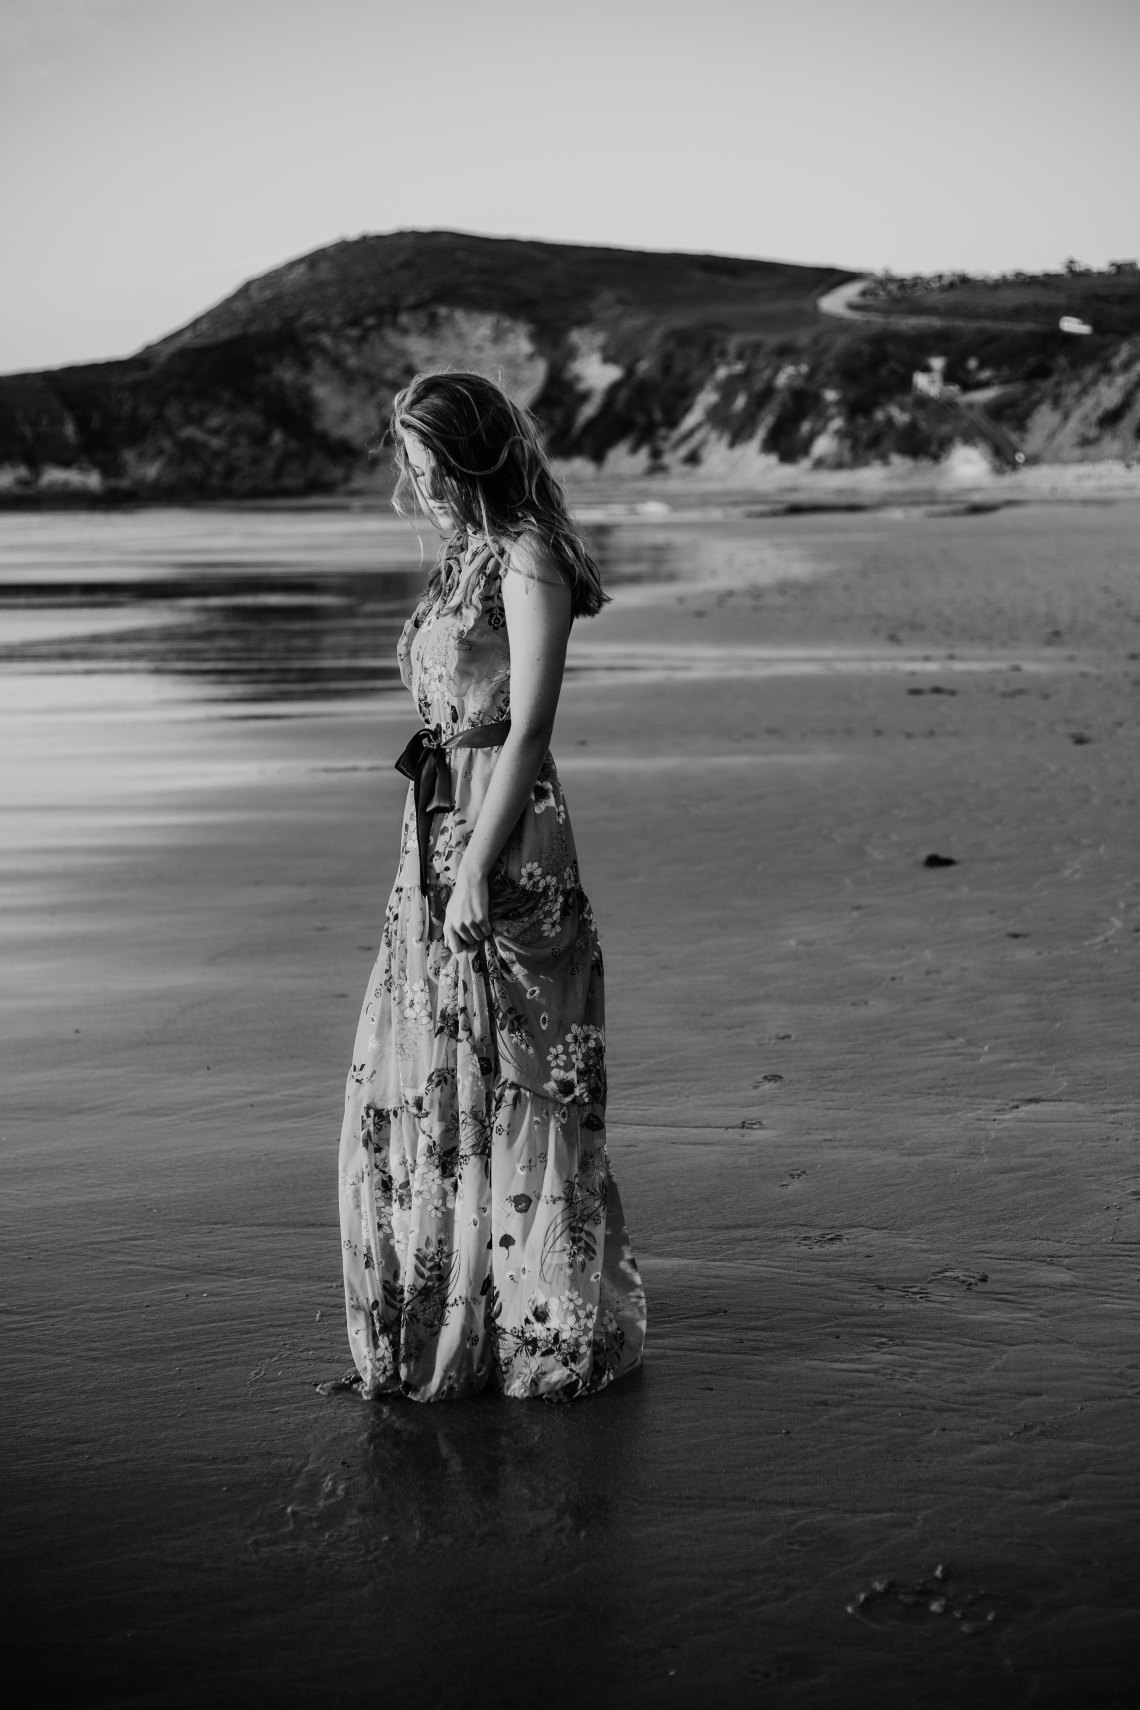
{"points": [[465, 569]]}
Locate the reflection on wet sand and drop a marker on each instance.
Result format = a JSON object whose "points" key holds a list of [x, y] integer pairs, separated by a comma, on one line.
{"points": [[492, 1475], [238, 637], [245, 606]]}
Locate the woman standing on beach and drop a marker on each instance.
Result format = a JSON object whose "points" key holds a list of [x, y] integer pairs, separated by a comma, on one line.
{"points": [[483, 1235]]}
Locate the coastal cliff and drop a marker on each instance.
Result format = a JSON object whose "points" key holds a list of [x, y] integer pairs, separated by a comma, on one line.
{"points": [[635, 362]]}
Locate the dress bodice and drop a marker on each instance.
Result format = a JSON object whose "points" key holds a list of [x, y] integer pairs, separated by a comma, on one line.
{"points": [[454, 654], [455, 657]]}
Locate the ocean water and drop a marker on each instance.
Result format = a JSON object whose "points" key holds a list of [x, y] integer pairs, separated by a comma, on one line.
{"points": [[208, 608], [148, 654], [226, 611], [142, 647]]}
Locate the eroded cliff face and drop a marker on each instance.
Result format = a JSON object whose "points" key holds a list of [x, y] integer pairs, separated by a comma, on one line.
{"points": [[346, 381], [289, 413], [741, 413], [1084, 418], [676, 364]]}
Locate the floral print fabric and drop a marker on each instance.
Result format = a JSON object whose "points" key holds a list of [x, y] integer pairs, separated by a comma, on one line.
{"points": [[482, 1231]]}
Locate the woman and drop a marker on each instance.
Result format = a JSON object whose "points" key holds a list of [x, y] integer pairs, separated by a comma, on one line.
{"points": [[483, 1235]]}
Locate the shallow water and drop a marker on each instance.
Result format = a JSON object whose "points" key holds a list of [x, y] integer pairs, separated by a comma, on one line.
{"points": [[236, 608], [221, 605], [243, 605], [222, 611]]}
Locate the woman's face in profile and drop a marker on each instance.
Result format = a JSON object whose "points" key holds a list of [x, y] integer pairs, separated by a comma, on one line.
{"points": [[422, 469]]}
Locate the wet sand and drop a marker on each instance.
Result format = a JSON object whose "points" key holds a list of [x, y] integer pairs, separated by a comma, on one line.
{"points": [[874, 1121]]}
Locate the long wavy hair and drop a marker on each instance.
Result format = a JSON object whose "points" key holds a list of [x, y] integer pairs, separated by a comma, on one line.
{"points": [[491, 469]]}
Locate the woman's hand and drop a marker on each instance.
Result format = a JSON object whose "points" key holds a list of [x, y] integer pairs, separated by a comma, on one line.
{"points": [[467, 920]]}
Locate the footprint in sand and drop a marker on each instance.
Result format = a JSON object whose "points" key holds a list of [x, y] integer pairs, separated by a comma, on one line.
{"points": [[1020, 1104], [316, 1513], [314, 1495]]}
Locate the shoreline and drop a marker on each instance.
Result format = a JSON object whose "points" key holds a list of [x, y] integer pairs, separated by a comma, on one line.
{"points": [[963, 478]]}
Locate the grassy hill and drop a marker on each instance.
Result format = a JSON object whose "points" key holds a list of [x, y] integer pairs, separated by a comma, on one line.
{"points": [[550, 286], [1109, 303]]}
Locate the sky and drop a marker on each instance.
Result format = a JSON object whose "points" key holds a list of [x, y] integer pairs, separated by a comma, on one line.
{"points": [[156, 153]]}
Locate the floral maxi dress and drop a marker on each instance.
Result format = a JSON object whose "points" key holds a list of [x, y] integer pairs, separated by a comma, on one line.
{"points": [[482, 1232]]}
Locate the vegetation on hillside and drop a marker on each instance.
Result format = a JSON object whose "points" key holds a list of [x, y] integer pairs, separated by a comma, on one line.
{"points": [[1109, 302]]}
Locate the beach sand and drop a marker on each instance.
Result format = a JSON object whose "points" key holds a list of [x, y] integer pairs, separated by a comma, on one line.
{"points": [[874, 1121]]}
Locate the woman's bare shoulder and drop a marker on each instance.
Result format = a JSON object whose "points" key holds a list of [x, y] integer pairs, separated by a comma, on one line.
{"points": [[529, 555]]}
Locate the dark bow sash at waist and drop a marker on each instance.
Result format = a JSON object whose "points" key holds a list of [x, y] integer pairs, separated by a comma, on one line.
{"points": [[424, 761]]}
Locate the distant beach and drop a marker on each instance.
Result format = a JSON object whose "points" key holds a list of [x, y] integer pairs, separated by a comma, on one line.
{"points": [[855, 797]]}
